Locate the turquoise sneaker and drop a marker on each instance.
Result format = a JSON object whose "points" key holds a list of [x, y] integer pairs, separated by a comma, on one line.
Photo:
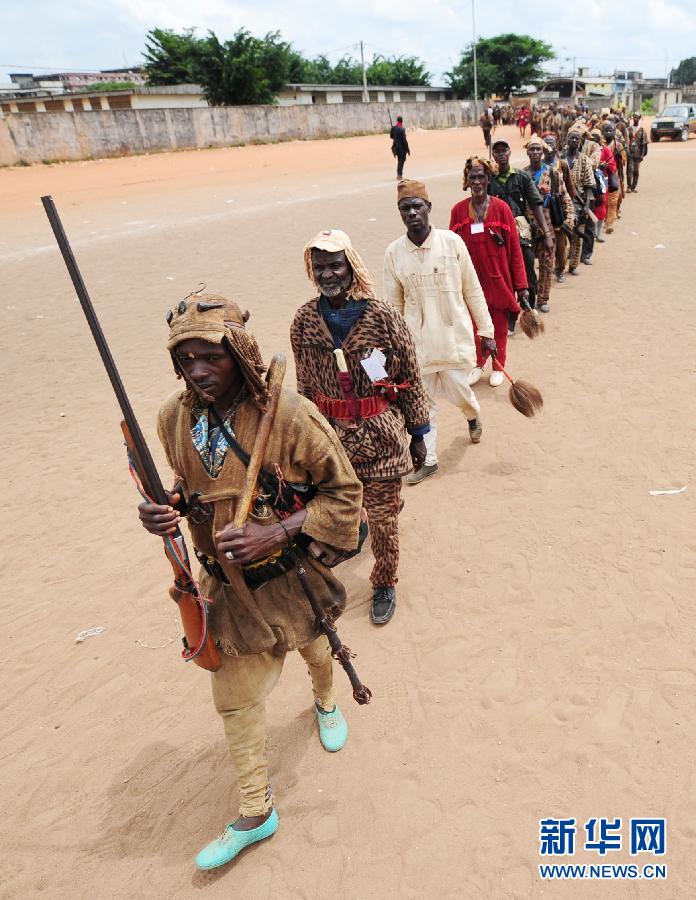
{"points": [[224, 848], [333, 729]]}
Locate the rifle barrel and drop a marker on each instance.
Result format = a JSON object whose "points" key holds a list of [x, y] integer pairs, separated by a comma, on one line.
{"points": [[149, 473]]}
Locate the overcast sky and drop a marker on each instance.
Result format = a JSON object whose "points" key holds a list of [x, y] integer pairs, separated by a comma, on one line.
{"points": [[94, 34]]}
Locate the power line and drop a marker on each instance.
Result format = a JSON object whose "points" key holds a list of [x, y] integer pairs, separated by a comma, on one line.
{"points": [[54, 68]]}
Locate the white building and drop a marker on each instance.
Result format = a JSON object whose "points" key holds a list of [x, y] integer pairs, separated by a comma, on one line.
{"points": [[308, 94], [167, 97], [191, 96]]}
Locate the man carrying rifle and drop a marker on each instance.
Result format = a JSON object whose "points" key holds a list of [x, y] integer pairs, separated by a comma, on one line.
{"points": [[378, 405], [518, 190], [549, 184], [637, 151], [562, 170], [259, 610], [582, 173]]}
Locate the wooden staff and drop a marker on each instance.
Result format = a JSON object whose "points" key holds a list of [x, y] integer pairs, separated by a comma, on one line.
{"points": [[275, 377]]}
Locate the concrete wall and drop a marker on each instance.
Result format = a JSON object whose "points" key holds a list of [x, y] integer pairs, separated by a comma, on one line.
{"points": [[49, 136]]}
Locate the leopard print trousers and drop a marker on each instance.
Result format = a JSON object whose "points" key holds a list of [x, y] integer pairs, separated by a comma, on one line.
{"points": [[382, 501]]}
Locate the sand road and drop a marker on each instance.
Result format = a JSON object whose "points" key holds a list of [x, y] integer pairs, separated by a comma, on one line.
{"points": [[541, 662]]}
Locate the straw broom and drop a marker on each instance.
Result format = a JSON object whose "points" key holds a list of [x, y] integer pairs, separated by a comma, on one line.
{"points": [[531, 324], [524, 396]]}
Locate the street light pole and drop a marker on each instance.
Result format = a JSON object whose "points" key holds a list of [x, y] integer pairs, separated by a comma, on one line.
{"points": [[366, 95], [473, 25]]}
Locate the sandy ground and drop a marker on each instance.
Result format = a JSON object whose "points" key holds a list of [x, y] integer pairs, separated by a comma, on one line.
{"points": [[541, 661]]}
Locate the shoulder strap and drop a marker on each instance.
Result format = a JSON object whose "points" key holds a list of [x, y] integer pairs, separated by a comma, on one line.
{"points": [[289, 497], [238, 449], [554, 183]]}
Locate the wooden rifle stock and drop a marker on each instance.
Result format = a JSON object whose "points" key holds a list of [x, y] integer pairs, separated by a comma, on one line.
{"points": [[198, 642], [199, 645]]}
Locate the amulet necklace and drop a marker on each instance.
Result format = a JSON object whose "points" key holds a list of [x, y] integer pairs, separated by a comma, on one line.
{"points": [[480, 211]]}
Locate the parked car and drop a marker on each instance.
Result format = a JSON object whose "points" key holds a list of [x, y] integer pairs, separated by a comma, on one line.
{"points": [[676, 122]]}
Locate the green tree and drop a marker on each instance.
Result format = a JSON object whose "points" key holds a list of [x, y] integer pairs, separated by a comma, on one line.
{"points": [[504, 62], [401, 70], [346, 71], [315, 71], [169, 56], [685, 73], [248, 70], [242, 71]]}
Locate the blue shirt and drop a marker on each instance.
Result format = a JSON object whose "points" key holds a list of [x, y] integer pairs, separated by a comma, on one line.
{"points": [[340, 321]]}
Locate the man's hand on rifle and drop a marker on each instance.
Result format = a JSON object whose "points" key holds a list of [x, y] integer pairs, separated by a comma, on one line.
{"points": [[160, 520]]}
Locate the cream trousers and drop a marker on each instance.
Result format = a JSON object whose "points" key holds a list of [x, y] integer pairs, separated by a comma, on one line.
{"points": [[240, 688], [454, 384]]}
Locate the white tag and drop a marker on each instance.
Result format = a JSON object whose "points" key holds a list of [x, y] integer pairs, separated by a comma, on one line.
{"points": [[477, 227], [374, 366]]}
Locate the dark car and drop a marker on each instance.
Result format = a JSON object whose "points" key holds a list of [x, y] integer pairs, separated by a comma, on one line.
{"points": [[676, 122]]}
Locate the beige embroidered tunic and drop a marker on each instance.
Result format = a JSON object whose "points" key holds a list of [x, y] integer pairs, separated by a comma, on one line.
{"points": [[436, 288]]}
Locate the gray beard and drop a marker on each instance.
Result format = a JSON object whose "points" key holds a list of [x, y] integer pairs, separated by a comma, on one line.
{"points": [[334, 290]]}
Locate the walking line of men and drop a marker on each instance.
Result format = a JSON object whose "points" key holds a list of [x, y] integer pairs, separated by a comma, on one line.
{"points": [[364, 417]]}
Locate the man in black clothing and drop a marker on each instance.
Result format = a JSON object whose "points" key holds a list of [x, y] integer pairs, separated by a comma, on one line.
{"points": [[637, 151], [400, 147], [520, 193]]}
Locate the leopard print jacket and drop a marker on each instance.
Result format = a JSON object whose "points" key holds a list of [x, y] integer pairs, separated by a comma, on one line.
{"points": [[378, 448]]}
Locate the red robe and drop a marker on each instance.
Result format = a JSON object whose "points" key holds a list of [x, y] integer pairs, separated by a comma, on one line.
{"points": [[608, 165], [500, 269]]}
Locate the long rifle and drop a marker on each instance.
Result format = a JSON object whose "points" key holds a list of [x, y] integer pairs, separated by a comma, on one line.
{"points": [[276, 373], [193, 607]]}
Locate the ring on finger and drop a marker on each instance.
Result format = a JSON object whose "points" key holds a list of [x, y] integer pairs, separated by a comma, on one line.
{"points": [[229, 554]]}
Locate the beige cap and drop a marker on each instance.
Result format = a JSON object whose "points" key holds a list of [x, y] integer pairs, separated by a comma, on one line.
{"points": [[332, 240]]}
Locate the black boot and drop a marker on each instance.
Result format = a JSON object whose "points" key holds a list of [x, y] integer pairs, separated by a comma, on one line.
{"points": [[383, 605]]}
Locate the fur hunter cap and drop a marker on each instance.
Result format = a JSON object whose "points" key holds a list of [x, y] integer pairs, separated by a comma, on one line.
{"points": [[212, 318]]}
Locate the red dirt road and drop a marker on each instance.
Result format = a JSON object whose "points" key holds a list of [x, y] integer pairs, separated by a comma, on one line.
{"points": [[541, 661]]}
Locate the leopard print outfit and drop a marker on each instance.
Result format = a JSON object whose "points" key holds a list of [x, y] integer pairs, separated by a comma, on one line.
{"points": [[382, 500], [378, 448]]}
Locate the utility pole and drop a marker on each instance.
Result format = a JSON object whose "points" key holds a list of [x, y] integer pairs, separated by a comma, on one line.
{"points": [[574, 99], [473, 25], [366, 95]]}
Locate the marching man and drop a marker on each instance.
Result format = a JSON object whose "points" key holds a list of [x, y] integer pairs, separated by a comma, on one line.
{"points": [[258, 611], [430, 278]]}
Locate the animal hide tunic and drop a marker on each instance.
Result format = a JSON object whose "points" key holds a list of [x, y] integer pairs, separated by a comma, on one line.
{"points": [[277, 615]]}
